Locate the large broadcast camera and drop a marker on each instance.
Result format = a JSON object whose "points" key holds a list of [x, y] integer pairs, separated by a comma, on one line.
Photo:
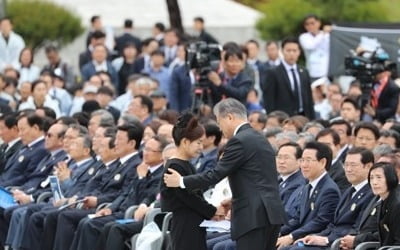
{"points": [[203, 58], [364, 67]]}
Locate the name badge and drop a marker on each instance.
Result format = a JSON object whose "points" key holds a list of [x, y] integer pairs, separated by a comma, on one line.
{"points": [[353, 207], [43, 168], [45, 183], [117, 177], [21, 158], [386, 227], [373, 211], [91, 171], [312, 206]]}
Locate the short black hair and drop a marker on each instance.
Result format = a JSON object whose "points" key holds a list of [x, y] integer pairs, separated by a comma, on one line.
{"points": [[157, 53], [231, 52], [49, 112], [212, 129], [98, 34], [94, 18], [146, 101], [298, 152], [10, 120], [311, 15], [128, 23], [105, 91], [341, 122], [323, 151], [262, 117], [367, 125], [111, 133], [134, 132], [67, 120], [278, 114], [160, 26], [254, 42], [187, 127], [392, 133], [352, 102], [50, 48], [269, 43], [36, 83], [328, 131], [199, 19], [366, 155], [290, 40], [392, 181], [33, 119]]}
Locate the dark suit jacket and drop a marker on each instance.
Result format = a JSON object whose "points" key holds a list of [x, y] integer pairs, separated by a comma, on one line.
{"points": [[117, 181], [180, 89], [388, 220], [316, 212], [22, 164], [80, 178], [43, 169], [348, 213], [209, 161], [278, 94], [124, 39], [292, 183], [5, 155], [387, 102], [249, 163], [138, 65], [368, 228], [237, 88], [207, 37], [336, 172], [88, 70], [84, 58]]}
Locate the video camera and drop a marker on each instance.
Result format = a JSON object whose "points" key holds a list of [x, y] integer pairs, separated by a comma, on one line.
{"points": [[204, 58], [365, 66]]}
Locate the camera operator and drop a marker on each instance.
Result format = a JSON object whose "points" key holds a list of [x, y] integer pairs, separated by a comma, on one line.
{"points": [[384, 98], [232, 82]]}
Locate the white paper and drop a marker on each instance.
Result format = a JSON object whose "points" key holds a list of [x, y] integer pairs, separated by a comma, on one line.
{"points": [[216, 226]]}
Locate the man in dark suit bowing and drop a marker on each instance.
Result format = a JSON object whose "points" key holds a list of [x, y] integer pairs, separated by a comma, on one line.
{"points": [[249, 163], [11, 141], [288, 86]]}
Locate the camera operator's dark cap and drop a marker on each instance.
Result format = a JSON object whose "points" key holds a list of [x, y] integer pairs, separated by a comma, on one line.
{"points": [[158, 94]]}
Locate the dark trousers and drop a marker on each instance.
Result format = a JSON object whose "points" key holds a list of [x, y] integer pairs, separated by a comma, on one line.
{"points": [[89, 230], [114, 235], [259, 238], [68, 221]]}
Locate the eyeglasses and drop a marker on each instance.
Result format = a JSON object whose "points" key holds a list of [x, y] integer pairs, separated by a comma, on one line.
{"points": [[151, 150], [307, 160]]}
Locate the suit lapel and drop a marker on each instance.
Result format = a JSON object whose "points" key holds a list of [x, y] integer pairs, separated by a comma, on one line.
{"points": [[285, 79]]}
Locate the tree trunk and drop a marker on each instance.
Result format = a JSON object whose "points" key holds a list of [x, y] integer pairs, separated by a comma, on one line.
{"points": [[175, 18], [3, 4]]}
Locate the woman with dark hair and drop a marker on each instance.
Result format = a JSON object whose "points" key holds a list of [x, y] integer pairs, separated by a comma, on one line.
{"points": [[188, 207], [384, 182], [27, 70], [40, 98]]}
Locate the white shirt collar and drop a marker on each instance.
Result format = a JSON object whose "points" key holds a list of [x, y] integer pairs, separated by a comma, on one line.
{"points": [[11, 143], [110, 162], [100, 66], [238, 127], [285, 177], [360, 185], [315, 182], [36, 141], [127, 157], [152, 169], [80, 163], [289, 67]]}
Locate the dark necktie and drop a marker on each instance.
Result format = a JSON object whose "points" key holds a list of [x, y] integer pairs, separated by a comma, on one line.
{"points": [[296, 89], [309, 187]]}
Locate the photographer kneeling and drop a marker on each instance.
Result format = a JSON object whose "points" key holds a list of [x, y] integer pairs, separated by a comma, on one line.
{"points": [[233, 82]]}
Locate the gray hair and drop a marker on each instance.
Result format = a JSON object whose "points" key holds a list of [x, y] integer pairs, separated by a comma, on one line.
{"points": [[312, 125], [308, 137], [290, 135], [106, 118], [382, 150], [273, 131], [143, 81], [230, 106], [128, 119], [87, 141], [81, 129]]}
